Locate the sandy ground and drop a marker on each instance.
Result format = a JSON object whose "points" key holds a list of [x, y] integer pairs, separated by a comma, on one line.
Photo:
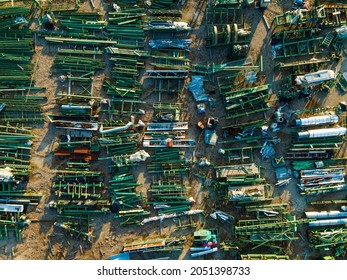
{"points": [[110, 236]]}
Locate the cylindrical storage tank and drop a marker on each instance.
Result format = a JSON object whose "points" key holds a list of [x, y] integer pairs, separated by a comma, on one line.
{"points": [[316, 120], [325, 214], [324, 132], [329, 222]]}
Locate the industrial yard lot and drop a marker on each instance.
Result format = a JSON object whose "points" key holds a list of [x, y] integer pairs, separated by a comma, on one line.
{"points": [[172, 129]]}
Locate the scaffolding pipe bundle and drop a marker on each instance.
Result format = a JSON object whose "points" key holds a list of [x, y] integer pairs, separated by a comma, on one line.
{"points": [[324, 132], [325, 214], [329, 222], [317, 120]]}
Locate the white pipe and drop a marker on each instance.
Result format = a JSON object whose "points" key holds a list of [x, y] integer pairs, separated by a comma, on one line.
{"points": [[198, 254], [330, 222], [12, 208], [316, 120], [325, 172], [325, 214], [115, 129], [199, 249], [172, 215], [141, 123], [74, 107], [324, 132]]}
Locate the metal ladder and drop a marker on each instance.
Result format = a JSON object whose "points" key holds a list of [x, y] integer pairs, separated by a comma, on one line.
{"points": [[328, 39]]}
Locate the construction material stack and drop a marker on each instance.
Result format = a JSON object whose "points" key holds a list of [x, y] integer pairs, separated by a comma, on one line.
{"points": [[20, 108]]}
